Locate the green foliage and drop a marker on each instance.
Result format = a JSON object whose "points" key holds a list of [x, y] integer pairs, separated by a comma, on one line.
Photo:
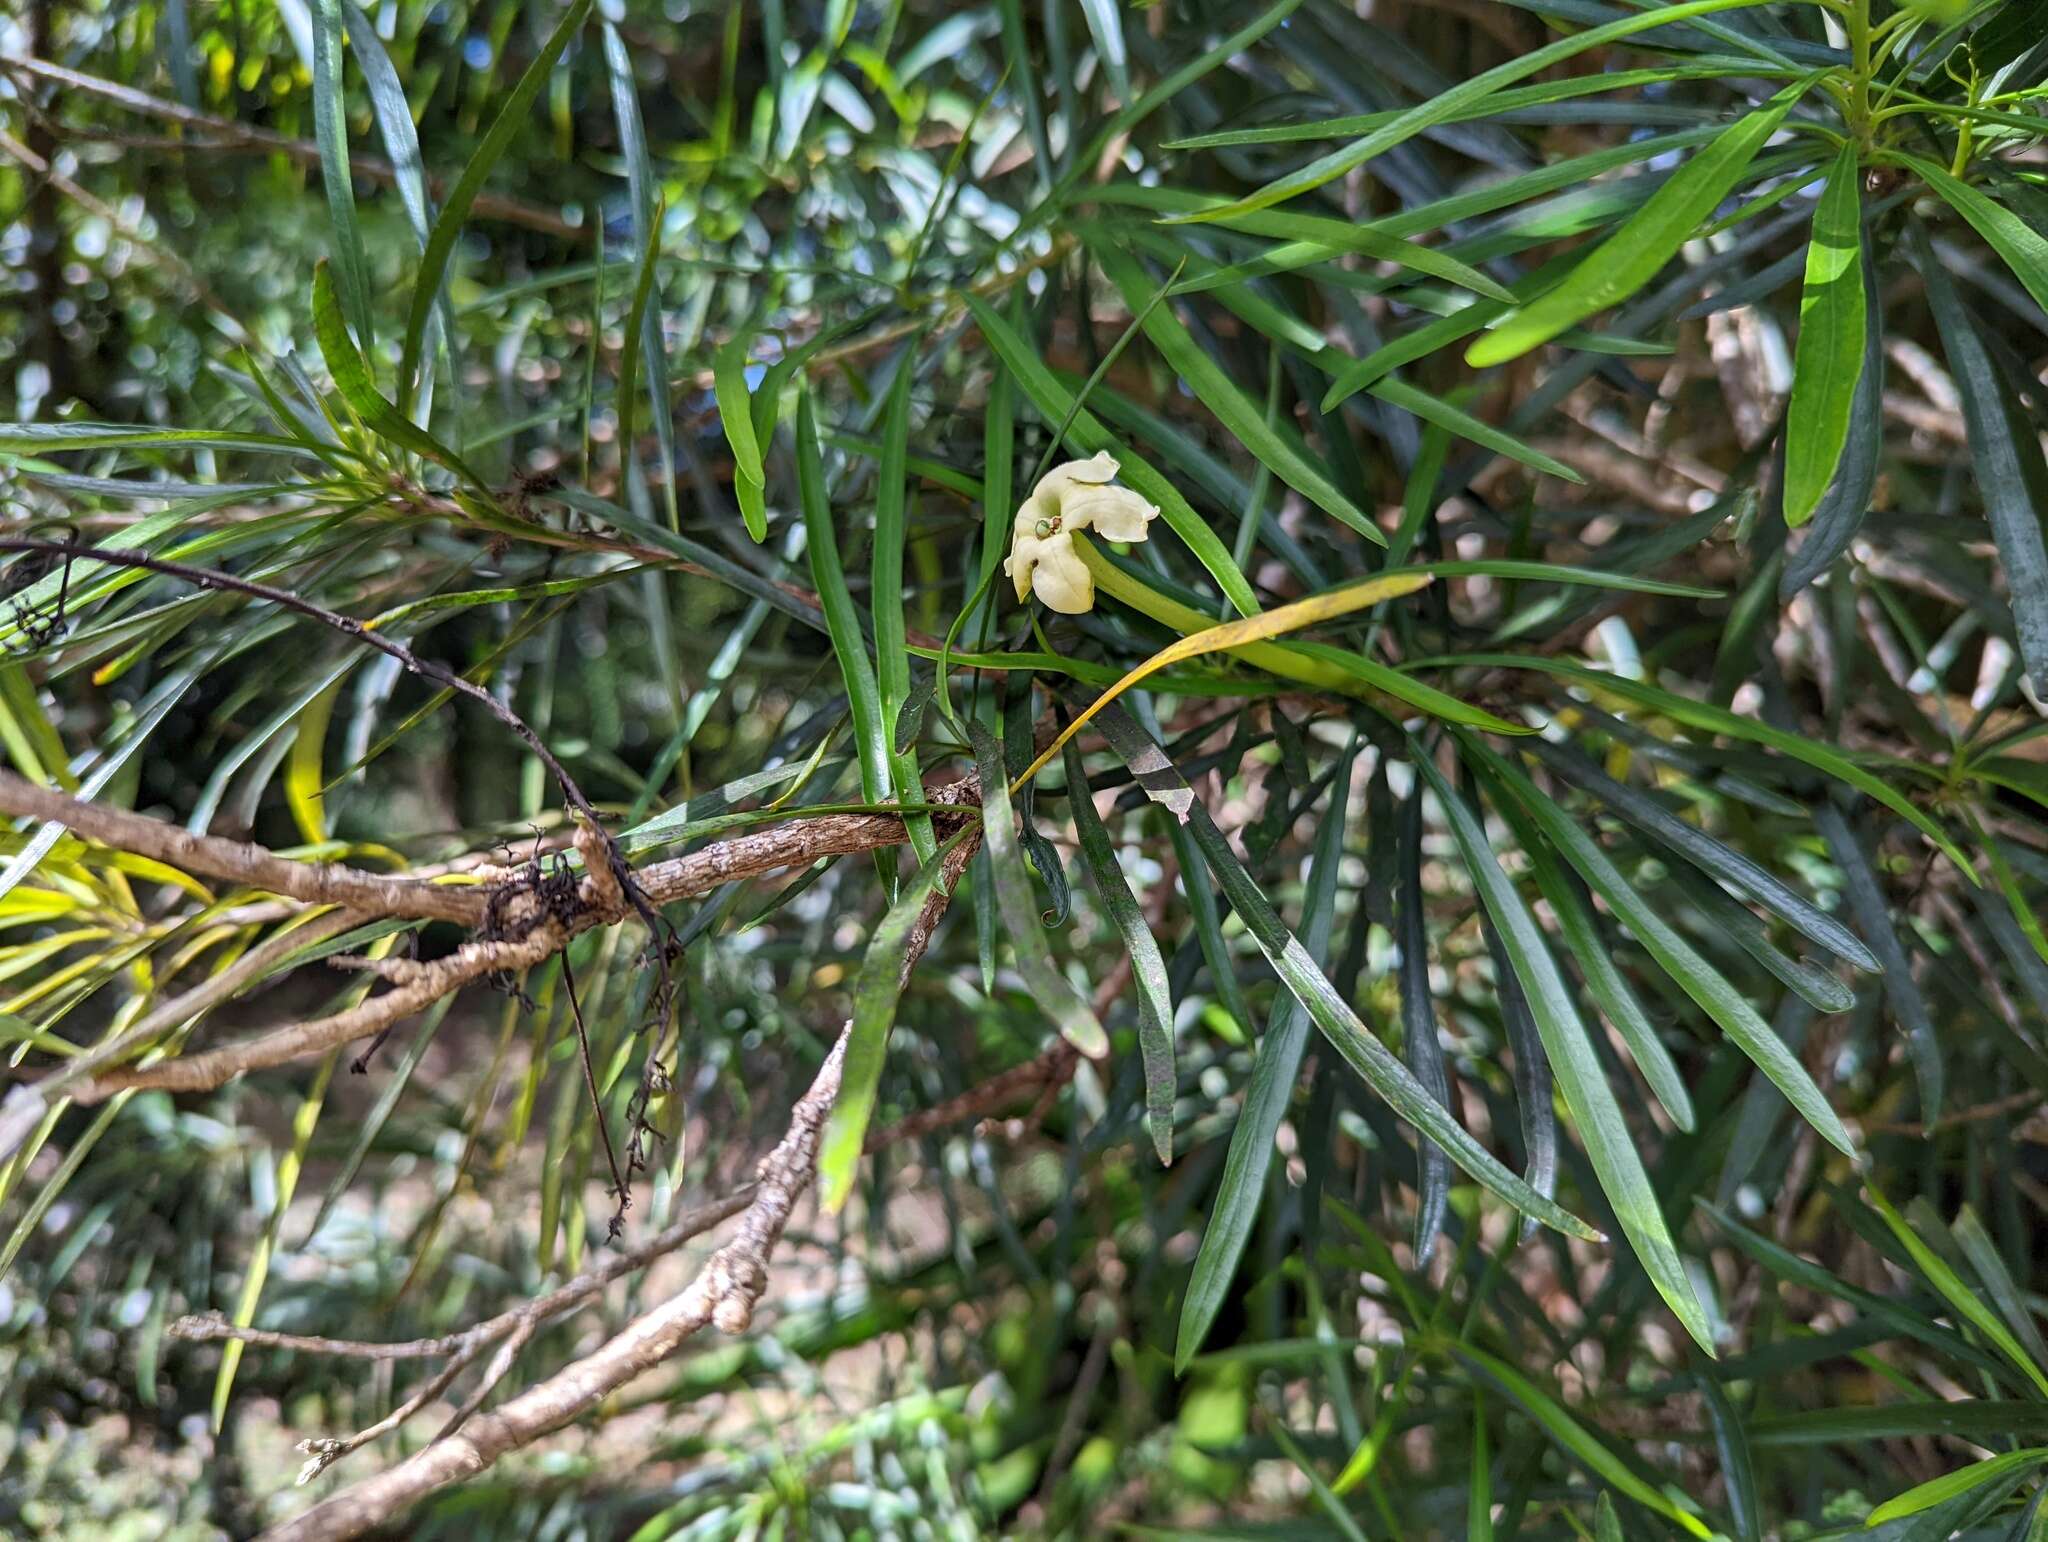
{"points": [[1588, 986]]}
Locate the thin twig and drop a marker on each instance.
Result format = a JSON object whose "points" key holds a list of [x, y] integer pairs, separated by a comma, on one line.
{"points": [[314, 883]]}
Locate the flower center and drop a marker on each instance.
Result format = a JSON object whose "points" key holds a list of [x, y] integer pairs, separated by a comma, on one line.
{"points": [[1046, 527]]}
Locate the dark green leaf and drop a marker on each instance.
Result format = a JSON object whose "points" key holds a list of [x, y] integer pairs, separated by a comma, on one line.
{"points": [[1266, 1096], [441, 242], [1648, 239], [1382, 1070], [1148, 967], [1829, 363], [1054, 993]]}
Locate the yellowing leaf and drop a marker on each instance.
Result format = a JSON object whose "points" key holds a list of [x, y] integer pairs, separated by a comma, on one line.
{"points": [[302, 781], [1314, 610]]}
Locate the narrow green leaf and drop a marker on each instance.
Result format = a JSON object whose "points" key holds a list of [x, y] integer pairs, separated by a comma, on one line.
{"points": [[1606, 1524], [1326, 238], [1201, 896], [1106, 26], [1381, 1068], [649, 211], [630, 349], [1492, 106], [1718, 720], [1054, 993], [877, 989], [736, 417], [1873, 912], [1976, 1244], [1605, 982], [330, 129], [2024, 248], [40, 438], [1445, 105], [1575, 1438], [352, 379], [1088, 436], [1730, 918], [1643, 810], [1148, 967], [1326, 1497], [1966, 1301], [1698, 979], [441, 243], [1839, 514], [1903, 1319], [1275, 1070], [885, 599], [1738, 1471], [1479, 1488], [393, 113], [1975, 1419], [1648, 239], [1420, 1046], [842, 620], [304, 1122], [1535, 1090], [2006, 451], [1456, 420], [1237, 412], [1828, 366], [1936, 1491], [1610, 1144]]}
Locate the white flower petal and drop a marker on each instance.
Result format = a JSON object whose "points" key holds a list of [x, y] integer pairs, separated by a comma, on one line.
{"points": [[1062, 579], [1024, 556], [1114, 513], [1075, 496], [1053, 486]]}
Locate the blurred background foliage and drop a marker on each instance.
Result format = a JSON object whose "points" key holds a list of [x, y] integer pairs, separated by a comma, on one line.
{"points": [[1754, 543]]}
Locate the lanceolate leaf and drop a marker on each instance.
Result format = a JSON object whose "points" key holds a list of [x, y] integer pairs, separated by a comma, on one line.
{"points": [[842, 621], [1631, 257], [886, 601], [1867, 904], [1719, 999], [1643, 810], [330, 126], [2011, 477], [876, 990], [1148, 967], [632, 349], [736, 416], [1055, 994], [1839, 514], [1274, 1072], [1829, 364], [1559, 1424], [1710, 719], [1605, 981], [441, 242], [352, 379], [1581, 1080], [1445, 105], [2024, 248], [1382, 1070], [1948, 1486], [1237, 412], [1420, 1046]]}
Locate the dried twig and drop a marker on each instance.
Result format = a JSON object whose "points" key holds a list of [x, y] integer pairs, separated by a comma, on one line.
{"points": [[724, 1294], [315, 883]]}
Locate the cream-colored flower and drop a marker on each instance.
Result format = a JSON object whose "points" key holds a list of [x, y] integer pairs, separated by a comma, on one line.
{"points": [[1075, 496]]}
